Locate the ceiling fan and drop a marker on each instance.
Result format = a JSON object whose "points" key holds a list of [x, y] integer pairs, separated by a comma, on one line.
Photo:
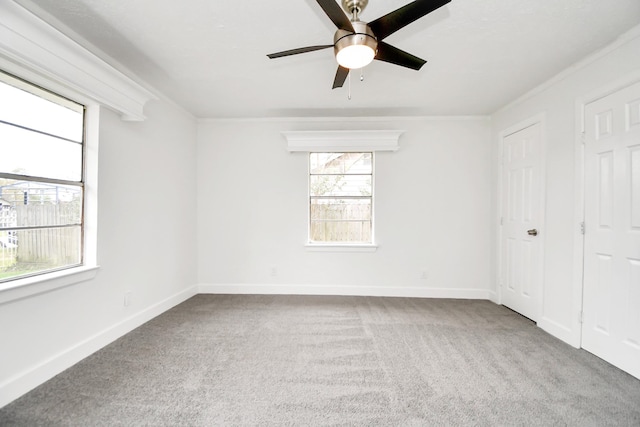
{"points": [[357, 43]]}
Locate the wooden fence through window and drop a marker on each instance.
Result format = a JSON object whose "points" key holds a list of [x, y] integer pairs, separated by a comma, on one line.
{"points": [[47, 246]]}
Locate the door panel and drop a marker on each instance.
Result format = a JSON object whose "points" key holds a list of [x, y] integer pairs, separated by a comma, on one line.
{"points": [[521, 212], [603, 288], [611, 294]]}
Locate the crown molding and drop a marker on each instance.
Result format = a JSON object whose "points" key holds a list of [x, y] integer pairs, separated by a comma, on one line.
{"points": [[340, 119], [599, 54], [33, 49]]}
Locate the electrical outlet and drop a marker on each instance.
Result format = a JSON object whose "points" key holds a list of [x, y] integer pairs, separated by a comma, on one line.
{"points": [[424, 275], [127, 298], [274, 271]]}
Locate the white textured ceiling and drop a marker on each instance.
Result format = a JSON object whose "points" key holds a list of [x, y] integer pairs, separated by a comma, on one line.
{"points": [[210, 55]]}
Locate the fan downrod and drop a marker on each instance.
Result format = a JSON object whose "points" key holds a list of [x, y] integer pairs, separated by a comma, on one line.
{"points": [[354, 7]]}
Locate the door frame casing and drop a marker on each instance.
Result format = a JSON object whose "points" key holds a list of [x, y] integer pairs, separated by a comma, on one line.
{"points": [[539, 119], [574, 337]]}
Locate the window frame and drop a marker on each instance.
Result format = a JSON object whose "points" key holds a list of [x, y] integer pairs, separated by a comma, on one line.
{"points": [[38, 91], [343, 246], [42, 281]]}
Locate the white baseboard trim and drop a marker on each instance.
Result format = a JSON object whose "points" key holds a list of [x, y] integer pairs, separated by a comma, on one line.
{"points": [[493, 297], [372, 291], [27, 380], [559, 331]]}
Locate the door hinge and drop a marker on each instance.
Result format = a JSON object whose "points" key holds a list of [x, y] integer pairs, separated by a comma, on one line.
{"points": [[583, 138], [581, 317], [501, 221], [582, 228]]}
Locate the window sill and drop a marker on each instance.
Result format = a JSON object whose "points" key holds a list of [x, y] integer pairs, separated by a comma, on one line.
{"points": [[319, 247], [47, 282]]}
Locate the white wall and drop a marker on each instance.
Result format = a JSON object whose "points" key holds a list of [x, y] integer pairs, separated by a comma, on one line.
{"points": [[557, 100], [146, 245], [432, 211]]}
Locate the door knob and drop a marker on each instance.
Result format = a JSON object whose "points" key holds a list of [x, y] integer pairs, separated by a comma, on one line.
{"points": [[532, 232]]}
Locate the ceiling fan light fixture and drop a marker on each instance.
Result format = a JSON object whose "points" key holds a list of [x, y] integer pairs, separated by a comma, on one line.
{"points": [[355, 56], [355, 50]]}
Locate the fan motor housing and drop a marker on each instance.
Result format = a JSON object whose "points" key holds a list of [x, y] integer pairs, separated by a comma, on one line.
{"points": [[362, 36]]}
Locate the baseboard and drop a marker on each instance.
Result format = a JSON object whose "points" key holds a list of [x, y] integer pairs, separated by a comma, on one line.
{"points": [[559, 331], [25, 381], [493, 297], [373, 291]]}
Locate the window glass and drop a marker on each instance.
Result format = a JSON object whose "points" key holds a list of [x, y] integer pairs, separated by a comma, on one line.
{"points": [[340, 197], [340, 185], [36, 154], [37, 204], [34, 108], [41, 182]]}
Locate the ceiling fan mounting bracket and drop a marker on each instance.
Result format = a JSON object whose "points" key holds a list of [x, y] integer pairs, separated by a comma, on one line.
{"points": [[354, 7]]}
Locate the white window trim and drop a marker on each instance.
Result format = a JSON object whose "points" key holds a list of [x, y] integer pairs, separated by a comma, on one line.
{"points": [[34, 285], [343, 141], [338, 247], [312, 246], [38, 53]]}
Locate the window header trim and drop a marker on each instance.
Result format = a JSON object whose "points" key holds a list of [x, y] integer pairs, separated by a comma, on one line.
{"points": [[343, 141], [28, 42]]}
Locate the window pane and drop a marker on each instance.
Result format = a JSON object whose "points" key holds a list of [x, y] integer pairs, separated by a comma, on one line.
{"points": [[341, 220], [341, 197], [29, 153], [340, 185], [340, 163], [62, 118], [35, 204], [341, 231], [27, 252], [341, 209]]}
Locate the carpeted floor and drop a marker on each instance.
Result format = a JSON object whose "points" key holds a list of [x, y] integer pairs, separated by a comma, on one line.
{"points": [[303, 360]]}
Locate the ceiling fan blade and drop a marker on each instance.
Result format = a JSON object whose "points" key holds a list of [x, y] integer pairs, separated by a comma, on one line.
{"points": [[335, 13], [341, 76], [393, 21], [298, 50], [388, 53]]}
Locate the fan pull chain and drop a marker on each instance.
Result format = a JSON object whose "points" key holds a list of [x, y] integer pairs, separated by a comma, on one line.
{"points": [[349, 83]]}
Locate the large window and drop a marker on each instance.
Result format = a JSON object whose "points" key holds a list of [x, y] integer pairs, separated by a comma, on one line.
{"points": [[341, 198], [41, 180]]}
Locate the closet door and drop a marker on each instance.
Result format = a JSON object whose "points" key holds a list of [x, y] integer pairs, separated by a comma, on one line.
{"points": [[611, 298], [521, 244]]}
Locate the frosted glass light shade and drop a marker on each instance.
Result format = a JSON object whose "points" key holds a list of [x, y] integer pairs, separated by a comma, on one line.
{"points": [[355, 56]]}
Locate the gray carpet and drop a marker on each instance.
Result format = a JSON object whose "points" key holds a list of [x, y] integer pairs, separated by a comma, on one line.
{"points": [[296, 360]]}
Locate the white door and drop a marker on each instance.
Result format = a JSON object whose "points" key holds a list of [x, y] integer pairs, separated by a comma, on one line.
{"points": [[521, 221], [611, 295]]}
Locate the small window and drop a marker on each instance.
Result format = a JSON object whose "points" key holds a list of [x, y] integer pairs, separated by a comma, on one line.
{"points": [[41, 180], [341, 198]]}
